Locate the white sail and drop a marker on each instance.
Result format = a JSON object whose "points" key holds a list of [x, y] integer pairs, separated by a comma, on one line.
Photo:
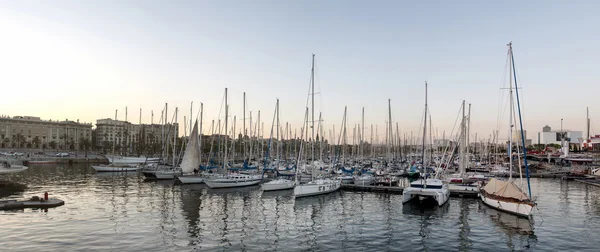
{"points": [[191, 157]]}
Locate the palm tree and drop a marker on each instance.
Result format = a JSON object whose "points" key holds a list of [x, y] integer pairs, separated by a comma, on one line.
{"points": [[85, 144], [36, 142], [5, 142], [52, 144]]}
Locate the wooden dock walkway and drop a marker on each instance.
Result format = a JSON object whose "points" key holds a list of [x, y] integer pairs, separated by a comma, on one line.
{"points": [[593, 182], [399, 190]]}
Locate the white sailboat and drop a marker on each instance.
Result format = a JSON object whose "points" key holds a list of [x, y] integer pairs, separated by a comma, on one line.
{"points": [[506, 195], [278, 183], [460, 181], [426, 189], [191, 162], [321, 185], [226, 180]]}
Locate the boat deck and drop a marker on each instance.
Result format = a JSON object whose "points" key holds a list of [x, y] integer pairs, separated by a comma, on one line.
{"points": [[14, 204]]}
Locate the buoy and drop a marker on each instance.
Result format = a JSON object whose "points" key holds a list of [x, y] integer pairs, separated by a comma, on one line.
{"points": [[45, 195]]}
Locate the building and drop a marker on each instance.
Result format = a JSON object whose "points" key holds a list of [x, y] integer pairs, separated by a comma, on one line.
{"points": [[131, 138], [33, 132], [547, 136]]}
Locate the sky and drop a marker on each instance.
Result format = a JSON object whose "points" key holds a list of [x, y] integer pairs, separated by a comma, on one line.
{"points": [[85, 59]]}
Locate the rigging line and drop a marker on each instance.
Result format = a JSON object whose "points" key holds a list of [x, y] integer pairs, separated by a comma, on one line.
{"points": [[452, 132], [501, 95]]}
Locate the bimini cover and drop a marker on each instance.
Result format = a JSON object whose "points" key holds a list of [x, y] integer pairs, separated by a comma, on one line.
{"points": [[505, 189]]}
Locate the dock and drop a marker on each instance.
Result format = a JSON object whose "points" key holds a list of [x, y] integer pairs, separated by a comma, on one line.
{"points": [[399, 190], [593, 182], [14, 204], [370, 188]]}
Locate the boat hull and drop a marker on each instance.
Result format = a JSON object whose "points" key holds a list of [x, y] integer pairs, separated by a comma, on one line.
{"points": [[131, 160], [286, 185], [439, 196], [312, 189], [516, 208], [13, 169], [364, 181], [229, 182], [190, 179], [114, 168]]}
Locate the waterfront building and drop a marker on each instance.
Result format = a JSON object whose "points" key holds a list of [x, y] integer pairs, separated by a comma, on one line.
{"points": [[547, 136], [33, 132], [131, 138]]}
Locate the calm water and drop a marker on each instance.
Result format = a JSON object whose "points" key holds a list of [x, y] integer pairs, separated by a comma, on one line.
{"points": [[120, 212]]}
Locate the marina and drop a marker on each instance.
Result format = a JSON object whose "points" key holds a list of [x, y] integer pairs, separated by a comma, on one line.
{"points": [[337, 126], [122, 211]]}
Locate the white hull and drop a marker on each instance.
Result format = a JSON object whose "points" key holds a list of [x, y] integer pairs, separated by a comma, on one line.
{"points": [[462, 187], [233, 181], [115, 168], [437, 192], [278, 184], [131, 160], [13, 169], [346, 179], [519, 209], [316, 188], [166, 174], [190, 179], [364, 180]]}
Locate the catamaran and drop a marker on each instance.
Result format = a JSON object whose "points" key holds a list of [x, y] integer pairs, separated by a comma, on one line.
{"points": [[426, 189]]}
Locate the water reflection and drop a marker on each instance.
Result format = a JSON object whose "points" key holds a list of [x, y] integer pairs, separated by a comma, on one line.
{"points": [[119, 212]]}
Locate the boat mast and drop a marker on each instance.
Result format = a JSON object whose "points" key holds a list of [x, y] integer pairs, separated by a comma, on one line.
{"points": [[424, 130], [312, 82], [200, 135], [390, 132], [362, 135], [510, 122], [226, 135], [463, 143], [468, 136], [512, 60], [175, 138], [244, 127]]}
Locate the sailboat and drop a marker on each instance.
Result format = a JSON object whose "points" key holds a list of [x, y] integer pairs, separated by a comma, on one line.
{"points": [[506, 195], [321, 185], [191, 158], [460, 181], [225, 179], [426, 189], [278, 183]]}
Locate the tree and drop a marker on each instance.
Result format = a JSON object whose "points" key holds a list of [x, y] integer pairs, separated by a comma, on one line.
{"points": [[5, 142], [19, 140], [36, 142], [52, 144], [85, 144]]}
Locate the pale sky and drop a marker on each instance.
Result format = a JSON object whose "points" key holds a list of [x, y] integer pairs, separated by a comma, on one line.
{"points": [[84, 59]]}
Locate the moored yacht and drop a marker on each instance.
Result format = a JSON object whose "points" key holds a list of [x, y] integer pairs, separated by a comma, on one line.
{"points": [[427, 191]]}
